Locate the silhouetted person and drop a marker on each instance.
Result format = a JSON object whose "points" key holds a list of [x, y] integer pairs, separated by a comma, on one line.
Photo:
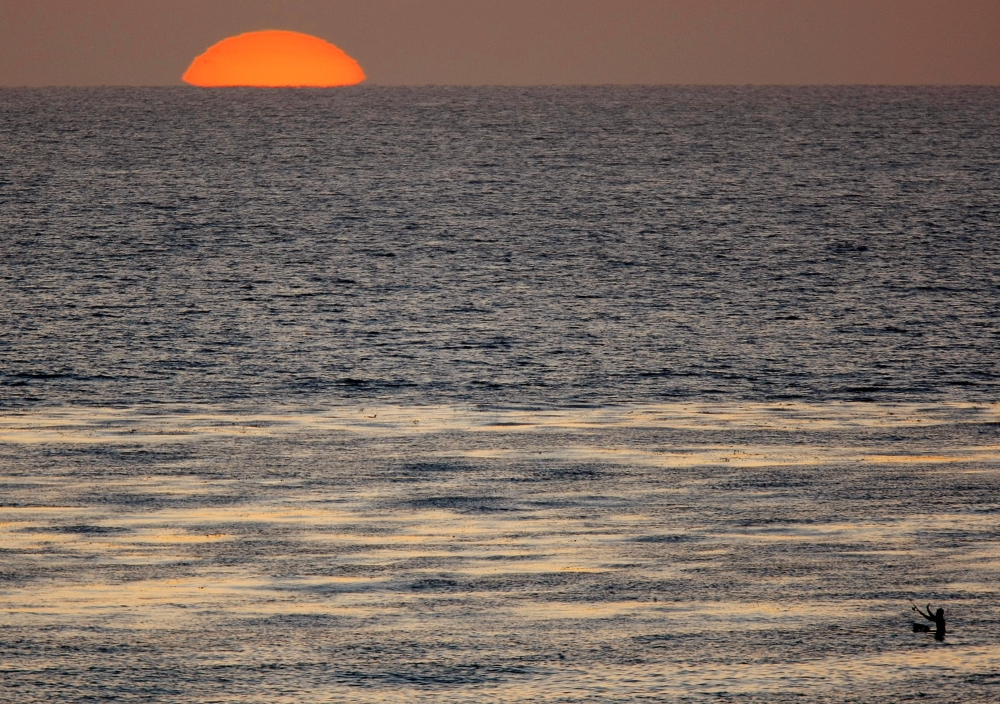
{"points": [[937, 618]]}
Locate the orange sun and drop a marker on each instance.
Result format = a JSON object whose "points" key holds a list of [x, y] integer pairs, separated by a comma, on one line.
{"points": [[272, 59]]}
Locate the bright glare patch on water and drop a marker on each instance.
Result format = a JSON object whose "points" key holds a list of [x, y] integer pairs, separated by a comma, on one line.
{"points": [[395, 552]]}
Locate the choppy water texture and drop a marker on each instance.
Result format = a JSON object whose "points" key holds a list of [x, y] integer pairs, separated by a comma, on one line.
{"points": [[501, 395]]}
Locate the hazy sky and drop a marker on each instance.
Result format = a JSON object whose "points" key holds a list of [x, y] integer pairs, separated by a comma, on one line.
{"points": [[151, 42]]}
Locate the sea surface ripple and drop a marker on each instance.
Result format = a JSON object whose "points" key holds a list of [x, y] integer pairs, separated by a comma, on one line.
{"points": [[498, 246], [499, 394]]}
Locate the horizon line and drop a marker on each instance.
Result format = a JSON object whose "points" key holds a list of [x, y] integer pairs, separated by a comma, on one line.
{"points": [[507, 85]]}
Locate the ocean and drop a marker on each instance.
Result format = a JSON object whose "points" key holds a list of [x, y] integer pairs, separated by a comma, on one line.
{"points": [[499, 394]]}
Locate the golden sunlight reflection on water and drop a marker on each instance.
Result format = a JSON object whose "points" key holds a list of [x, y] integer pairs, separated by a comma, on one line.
{"points": [[662, 551]]}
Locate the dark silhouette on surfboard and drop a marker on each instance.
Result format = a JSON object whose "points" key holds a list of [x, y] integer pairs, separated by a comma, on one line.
{"points": [[937, 618]]}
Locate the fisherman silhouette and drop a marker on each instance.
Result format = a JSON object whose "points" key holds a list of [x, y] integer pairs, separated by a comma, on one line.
{"points": [[937, 618]]}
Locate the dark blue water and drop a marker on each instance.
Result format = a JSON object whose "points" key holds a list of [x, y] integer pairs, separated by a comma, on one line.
{"points": [[498, 246], [540, 395]]}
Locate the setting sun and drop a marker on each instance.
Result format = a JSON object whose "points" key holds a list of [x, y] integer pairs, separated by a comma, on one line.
{"points": [[271, 59]]}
